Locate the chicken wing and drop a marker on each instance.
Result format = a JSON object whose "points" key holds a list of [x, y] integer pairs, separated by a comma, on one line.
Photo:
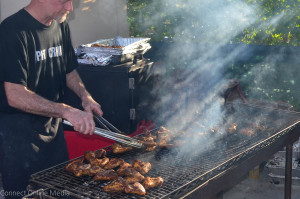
{"points": [[232, 128], [89, 156], [137, 177], [100, 162], [106, 175], [165, 144], [148, 141], [82, 169], [127, 171], [247, 131], [136, 188], [150, 183], [100, 153], [118, 149], [150, 148], [113, 163], [74, 164], [94, 170], [163, 129], [142, 167], [117, 185]]}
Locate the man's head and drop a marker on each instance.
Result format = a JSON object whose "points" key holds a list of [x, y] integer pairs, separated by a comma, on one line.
{"points": [[48, 10], [60, 9]]}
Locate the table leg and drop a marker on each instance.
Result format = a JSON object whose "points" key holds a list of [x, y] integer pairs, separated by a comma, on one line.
{"points": [[288, 171]]}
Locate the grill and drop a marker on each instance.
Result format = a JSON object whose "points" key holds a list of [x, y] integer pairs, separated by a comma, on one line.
{"points": [[182, 171]]}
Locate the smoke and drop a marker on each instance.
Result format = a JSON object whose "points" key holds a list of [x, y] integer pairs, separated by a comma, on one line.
{"points": [[192, 74]]}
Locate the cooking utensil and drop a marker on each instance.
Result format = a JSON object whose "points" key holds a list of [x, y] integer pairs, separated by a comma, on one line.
{"points": [[115, 136]]}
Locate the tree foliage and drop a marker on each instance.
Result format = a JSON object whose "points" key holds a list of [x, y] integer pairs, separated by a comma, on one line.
{"points": [[277, 22]]}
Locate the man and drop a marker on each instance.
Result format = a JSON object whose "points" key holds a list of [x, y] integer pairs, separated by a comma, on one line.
{"points": [[37, 63]]}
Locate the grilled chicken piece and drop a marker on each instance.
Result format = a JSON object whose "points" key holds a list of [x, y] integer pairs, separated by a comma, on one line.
{"points": [[164, 144], [117, 148], [74, 164], [113, 163], [150, 183], [125, 165], [214, 129], [100, 162], [163, 129], [148, 141], [94, 170], [149, 134], [150, 148], [136, 188], [142, 167], [106, 175], [232, 128], [117, 185], [137, 177], [100, 153], [258, 127], [127, 171], [167, 137], [247, 131], [89, 156], [82, 169]]}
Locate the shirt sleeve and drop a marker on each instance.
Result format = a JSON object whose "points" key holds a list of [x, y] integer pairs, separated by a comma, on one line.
{"points": [[14, 66], [71, 58]]}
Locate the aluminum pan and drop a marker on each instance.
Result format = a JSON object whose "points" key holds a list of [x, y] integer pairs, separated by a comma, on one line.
{"points": [[106, 55]]}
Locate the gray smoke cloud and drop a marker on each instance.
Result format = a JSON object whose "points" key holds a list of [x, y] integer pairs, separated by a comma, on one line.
{"points": [[192, 74]]}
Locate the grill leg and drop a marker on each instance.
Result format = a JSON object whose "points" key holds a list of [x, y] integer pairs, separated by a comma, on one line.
{"points": [[220, 195], [288, 171]]}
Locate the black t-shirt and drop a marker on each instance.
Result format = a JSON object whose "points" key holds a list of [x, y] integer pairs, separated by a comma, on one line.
{"points": [[38, 57]]}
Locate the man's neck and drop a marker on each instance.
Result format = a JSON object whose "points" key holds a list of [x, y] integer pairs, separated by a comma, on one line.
{"points": [[37, 14]]}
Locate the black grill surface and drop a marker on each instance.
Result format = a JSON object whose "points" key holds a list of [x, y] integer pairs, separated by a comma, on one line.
{"points": [[182, 169]]}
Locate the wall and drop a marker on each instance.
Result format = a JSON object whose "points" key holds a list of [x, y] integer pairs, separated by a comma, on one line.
{"points": [[7, 7], [90, 21]]}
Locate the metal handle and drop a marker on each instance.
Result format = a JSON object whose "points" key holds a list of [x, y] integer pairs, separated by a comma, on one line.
{"points": [[105, 123], [114, 136]]}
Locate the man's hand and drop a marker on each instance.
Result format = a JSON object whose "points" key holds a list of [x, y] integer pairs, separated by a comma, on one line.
{"points": [[90, 105], [82, 121]]}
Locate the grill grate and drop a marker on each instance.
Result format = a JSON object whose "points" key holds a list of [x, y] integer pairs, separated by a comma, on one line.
{"points": [[181, 173]]}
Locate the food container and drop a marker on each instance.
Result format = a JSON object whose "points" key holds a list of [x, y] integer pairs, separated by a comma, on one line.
{"points": [[112, 51], [278, 169]]}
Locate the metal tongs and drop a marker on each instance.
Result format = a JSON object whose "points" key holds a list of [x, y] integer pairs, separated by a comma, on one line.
{"points": [[124, 139]]}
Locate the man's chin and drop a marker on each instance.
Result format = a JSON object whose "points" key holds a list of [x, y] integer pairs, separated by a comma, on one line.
{"points": [[62, 18]]}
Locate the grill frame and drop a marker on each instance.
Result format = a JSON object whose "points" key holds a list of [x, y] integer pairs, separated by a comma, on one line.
{"points": [[207, 184]]}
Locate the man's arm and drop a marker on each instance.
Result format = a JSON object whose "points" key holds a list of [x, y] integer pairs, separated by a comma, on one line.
{"points": [[75, 83], [19, 97]]}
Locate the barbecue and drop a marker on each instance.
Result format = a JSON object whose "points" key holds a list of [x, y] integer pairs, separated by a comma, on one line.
{"points": [[184, 169]]}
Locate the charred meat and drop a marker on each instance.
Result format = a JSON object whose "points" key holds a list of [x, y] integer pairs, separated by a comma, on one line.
{"points": [[117, 185], [127, 171], [247, 131], [106, 175], [136, 177], [135, 188], [74, 164], [114, 163], [100, 153], [118, 149], [142, 167], [150, 183], [100, 162], [89, 156]]}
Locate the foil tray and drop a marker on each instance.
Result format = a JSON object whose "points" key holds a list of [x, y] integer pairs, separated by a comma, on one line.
{"points": [[112, 51], [279, 169]]}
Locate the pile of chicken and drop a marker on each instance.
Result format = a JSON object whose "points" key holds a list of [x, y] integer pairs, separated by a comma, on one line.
{"points": [[123, 177], [163, 138]]}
